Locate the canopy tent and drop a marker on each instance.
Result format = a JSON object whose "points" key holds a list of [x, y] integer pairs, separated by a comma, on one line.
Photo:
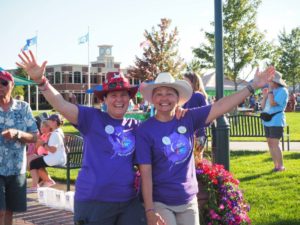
{"points": [[209, 81], [22, 81]]}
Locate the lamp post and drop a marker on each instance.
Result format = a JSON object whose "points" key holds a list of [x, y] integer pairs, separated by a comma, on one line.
{"points": [[221, 154]]}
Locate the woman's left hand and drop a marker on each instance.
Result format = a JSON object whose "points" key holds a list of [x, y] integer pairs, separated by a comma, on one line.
{"points": [[180, 112]]}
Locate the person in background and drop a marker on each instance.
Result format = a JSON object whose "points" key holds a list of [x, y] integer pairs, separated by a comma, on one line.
{"points": [[274, 101], [199, 98], [36, 150], [33, 151], [292, 102], [105, 192], [17, 127], [164, 147], [56, 154]]}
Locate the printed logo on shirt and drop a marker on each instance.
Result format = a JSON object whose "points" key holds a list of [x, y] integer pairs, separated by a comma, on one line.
{"points": [[177, 148], [123, 141]]}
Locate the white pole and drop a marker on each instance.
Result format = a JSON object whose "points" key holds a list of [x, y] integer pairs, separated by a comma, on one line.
{"points": [[36, 87], [89, 72]]}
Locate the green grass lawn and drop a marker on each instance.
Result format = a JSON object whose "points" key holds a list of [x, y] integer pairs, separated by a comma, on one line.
{"points": [[274, 198]]}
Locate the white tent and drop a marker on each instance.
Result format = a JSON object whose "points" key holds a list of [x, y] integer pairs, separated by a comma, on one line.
{"points": [[209, 81]]}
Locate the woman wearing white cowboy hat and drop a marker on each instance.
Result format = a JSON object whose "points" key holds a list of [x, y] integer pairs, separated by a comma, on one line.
{"points": [[164, 147], [274, 101], [105, 192]]}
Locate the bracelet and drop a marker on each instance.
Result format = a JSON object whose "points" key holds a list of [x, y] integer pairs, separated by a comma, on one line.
{"points": [[150, 210], [250, 89], [270, 92], [44, 86], [44, 144], [44, 80]]}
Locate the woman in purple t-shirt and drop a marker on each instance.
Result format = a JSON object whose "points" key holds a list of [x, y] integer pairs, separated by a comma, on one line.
{"points": [[105, 192], [198, 99], [164, 147]]}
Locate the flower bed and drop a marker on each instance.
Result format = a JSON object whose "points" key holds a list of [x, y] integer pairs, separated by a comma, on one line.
{"points": [[220, 200]]}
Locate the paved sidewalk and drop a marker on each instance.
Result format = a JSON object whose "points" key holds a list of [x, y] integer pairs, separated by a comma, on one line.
{"points": [[259, 146], [38, 214]]}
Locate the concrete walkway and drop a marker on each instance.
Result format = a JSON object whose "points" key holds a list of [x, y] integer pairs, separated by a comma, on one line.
{"points": [[259, 146], [38, 214]]}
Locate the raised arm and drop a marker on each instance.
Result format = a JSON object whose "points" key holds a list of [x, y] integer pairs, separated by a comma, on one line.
{"points": [[36, 73], [225, 104]]}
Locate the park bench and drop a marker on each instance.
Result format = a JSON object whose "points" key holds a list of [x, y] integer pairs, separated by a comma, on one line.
{"points": [[249, 126], [74, 150]]}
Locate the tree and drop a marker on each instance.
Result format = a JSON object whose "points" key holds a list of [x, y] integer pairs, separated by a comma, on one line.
{"points": [[289, 61], [19, 90], [160, 53], [243, 44]]}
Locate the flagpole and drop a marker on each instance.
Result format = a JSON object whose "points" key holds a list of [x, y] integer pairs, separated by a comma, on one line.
{"points": [[89, 72], [36, 87]]}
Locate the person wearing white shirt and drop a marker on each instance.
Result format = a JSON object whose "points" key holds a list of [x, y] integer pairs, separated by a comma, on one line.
{"points": [[56, 155]]}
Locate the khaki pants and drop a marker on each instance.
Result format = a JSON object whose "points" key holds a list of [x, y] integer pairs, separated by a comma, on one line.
{"points": [[187, 214]]}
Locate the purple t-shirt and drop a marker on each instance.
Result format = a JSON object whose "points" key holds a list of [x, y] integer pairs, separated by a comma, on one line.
{"points": [[168, 146], [107, 172], [196, 100]]}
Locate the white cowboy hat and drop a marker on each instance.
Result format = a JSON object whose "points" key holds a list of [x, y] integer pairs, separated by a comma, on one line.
{"points": [[278, 79], [165, 79]]}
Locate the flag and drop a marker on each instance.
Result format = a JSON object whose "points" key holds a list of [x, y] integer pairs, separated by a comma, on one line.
{"points": [[83, 39], [30, 42]]}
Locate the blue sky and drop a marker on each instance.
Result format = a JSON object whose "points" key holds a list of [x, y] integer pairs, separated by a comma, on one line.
{"points": [[59, 24]]}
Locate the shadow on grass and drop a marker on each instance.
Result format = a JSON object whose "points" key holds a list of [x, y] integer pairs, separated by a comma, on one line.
{"points": [[292, 156], [282, 222], [255, 176], [246, 153]]}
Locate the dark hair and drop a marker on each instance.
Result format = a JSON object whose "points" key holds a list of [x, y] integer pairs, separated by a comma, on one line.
{"points": [[57, 118]]}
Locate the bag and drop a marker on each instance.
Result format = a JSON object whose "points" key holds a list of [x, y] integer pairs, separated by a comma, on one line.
{"points": [[267, 117]]}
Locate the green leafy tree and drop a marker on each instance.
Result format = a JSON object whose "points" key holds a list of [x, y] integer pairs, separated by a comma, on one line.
{"points": [[289, 60], [19, 90], [160, 53], [243, 44]]}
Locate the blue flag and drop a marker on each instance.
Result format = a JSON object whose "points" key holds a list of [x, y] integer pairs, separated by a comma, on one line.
{"points": [[83, 39], [30, 42]]}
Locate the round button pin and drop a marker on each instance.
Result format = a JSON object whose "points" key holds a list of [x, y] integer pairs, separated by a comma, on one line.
{"points": [[181, 130], [166, 140], [109, 129]]}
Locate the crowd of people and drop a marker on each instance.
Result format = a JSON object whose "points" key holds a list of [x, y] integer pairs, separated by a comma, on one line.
{"points": [[162, 146]]}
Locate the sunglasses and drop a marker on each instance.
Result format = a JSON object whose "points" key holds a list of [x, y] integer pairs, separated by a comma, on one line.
{"points": [[115, 84], [4, 83]]}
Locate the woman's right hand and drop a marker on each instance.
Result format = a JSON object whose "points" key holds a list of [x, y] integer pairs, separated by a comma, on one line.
{"points": [[265, 92], [29, 64], [154, 218]]}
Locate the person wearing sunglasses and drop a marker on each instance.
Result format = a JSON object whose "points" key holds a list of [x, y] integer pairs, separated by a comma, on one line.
{"points": [[17, 127], [105, 192]]}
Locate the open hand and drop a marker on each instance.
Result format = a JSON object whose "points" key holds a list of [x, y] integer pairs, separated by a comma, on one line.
{"points": [[264, 77], [29, 64]]}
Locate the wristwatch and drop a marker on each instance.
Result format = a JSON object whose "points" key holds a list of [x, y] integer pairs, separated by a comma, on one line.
{"points": [[44, 144], [17, 135]]}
